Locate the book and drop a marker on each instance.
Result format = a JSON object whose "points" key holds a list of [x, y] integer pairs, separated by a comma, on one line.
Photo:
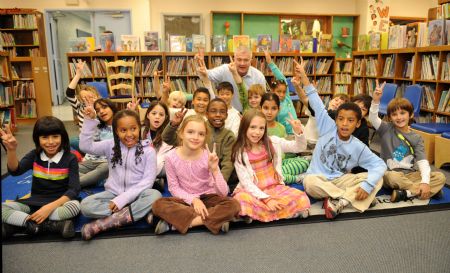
{"points": [[129, 42], [384, 40], [306, 44], [151, 40], [363, 41], [177, 43], [107, 42], [325, 43], [447, 30], [435, 32], [264, 42], [296, 46], [411, 35], [241, 40], [219, 43], [198, 42], [275, 45], [78, 45], [285, 43], [189, 44], [374, 41]]}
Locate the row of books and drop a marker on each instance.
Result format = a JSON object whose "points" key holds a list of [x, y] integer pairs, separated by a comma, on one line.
{"points": [[151, 65], [389, 66], [6, 96], [26, 109], [343, 78], [23, 52], [444, 102], [6, 39], [428, 97], [323, 65], [7, 117], [341, 89], [137, 65], [99, 67], [24, 21], [429, 67], [24, 90], [344, 67], [358, 86], [261, 65], [370, 86], [85, 73], [194, 85], [408, 69], [324, 85], [4, 74], [176, 66], [445, 73], [285, 64]]}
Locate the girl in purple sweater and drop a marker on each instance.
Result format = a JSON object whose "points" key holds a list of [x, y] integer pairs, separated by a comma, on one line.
{"points": [[128, 194], [198, 188]]}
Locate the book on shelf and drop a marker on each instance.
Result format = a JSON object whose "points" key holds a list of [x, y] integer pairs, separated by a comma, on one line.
{"points": [[150, 66], [306, 44], [324, 85], [6, 95], [219, 43], [309, 65], [151, 40], [218, 61], [78, 45], [359, 66], [177, 43], [341, 89], [264, 42], [7, 117], [447, 30], [428, 97], [85, 73], [241, 40], [374, 41], [107, 42], [24, 90], [27, 21], [4, 72], [389, 65], [372, 67], [27, 109], [129, 43], [296, 47], [7, 39], [285, 64], [285, 43], [422, 35], [429, 67], [194, 84], [99, 67], [323, 65], [425, 117], [411, 34], [408, 69], [444, 101], [363, 42], [176, 66], [178, 85], [358, 87], [198, 42], [325, 43], [397, 37], [445, 73], [189, 44], [436, 32]]}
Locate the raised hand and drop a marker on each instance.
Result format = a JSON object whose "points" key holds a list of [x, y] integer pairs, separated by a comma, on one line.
{"points": [[202, 71], [267, 55], [296, 124], [132, 105], [232, 66], [79, 66], [89, 111], [376, 97], [300, 70], [213, 159], [166, 85], [8, 139], [178, 117]]}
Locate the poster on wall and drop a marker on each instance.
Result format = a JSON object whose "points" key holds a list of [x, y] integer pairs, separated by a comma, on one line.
{"points": [[378, 15]]}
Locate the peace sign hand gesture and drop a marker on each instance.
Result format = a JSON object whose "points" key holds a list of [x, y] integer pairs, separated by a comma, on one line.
{"points": [[376, 97], [201, 67], [89, 111], [132, 105], [300, 70], [213, 159], [178, 117], [296, 124], [79, 66], [232, 66], [8, 139], [166, 85]]}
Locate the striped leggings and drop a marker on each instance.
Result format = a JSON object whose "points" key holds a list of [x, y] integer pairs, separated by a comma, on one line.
{"points": [[292, 167]]}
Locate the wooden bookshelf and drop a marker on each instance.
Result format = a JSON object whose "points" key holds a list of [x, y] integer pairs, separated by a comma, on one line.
{"points": [[25, 43], [7, 110], [426, 66]]}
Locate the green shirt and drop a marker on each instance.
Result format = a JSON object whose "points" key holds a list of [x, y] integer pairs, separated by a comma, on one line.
{"points": [[278, 130]]}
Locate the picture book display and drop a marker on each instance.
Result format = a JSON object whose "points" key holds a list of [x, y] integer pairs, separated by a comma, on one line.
{"points": [[264, 42], [107, 42], [285, 43], [241, 40], [129, 42], [177, 43], [198, 42], [151, 40], [219, 43]]}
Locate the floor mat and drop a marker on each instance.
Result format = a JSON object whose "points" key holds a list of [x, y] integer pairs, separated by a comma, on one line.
{"points": [[19, 187]]}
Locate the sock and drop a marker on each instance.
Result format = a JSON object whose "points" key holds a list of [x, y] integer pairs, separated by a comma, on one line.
{"points": [[15, 213], [17, 218], [69, 210]]}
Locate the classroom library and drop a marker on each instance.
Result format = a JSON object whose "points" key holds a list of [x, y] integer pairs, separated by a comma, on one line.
{"points": [[225, 136]]}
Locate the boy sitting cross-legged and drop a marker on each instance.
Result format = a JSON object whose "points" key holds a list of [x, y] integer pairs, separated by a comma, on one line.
{"points": [[336, 153], [402, 149]]}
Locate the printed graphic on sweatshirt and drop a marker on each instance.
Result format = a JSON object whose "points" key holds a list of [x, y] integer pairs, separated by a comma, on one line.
{"points": [[330, 157], [400, 158]]}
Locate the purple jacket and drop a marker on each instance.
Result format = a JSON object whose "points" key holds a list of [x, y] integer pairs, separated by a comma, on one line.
{"points": [[128, 180]]}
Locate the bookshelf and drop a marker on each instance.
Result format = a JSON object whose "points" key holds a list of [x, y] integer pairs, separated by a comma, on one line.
{"points": [[7, 111], [23, 36], [343, 75], [426, 66]]}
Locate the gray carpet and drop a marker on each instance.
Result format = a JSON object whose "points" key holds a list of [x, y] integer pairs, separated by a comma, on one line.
{"points": [[408, 243]]}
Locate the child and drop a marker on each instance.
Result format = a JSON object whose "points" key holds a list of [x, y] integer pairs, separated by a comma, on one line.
{"points": [[55, 183], [280, 88], [177, 100], [293, 166], [255, 93], [198, 188], [157, 118], [364, 102], [93, 168], [222, 137], [200, 102], [87, 95], [401, 149], [128, 196], [336, 153], [257, 159], [225, 91]]}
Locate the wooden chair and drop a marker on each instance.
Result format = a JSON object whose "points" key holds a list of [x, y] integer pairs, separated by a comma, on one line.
{"points": [[120, 76]]}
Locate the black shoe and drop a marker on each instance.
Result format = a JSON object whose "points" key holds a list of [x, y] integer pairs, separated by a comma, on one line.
{"points": [[32, 228], [65, 228], [8, 230], [398, 195], [439, 195]]}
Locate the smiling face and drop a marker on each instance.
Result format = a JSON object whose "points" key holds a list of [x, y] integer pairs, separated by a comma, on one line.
{"points": [[243, 60], [156, 116], [51, 144], [128, 131], [176, 102], [400, 118], [193, 135], [256, 130], [270, 110], [200, 103], [104, 113], [346, 122], [280, 90], [226, 95], [217, 114]]}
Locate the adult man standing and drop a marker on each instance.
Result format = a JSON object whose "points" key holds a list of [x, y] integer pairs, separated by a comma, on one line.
{"points": [[249, 74]]}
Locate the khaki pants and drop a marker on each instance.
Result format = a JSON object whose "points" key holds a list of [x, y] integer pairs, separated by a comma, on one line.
{"points": [[411, 181], [318, 187], [176, 212]]}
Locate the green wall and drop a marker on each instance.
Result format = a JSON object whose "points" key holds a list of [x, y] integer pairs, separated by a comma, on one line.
{"points": [[219, 20], [261, 24], [338, 23]]}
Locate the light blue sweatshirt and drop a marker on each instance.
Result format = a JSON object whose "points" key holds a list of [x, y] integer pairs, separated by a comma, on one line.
{"points": [[334, 157], [286, 106]]}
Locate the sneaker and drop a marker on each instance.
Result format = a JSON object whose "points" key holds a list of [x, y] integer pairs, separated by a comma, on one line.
{"points": [[225, 227], [332, 209], [162, 227], [439, 195], [374, 203], [149, 218], [398, 195], [304, 214]]}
